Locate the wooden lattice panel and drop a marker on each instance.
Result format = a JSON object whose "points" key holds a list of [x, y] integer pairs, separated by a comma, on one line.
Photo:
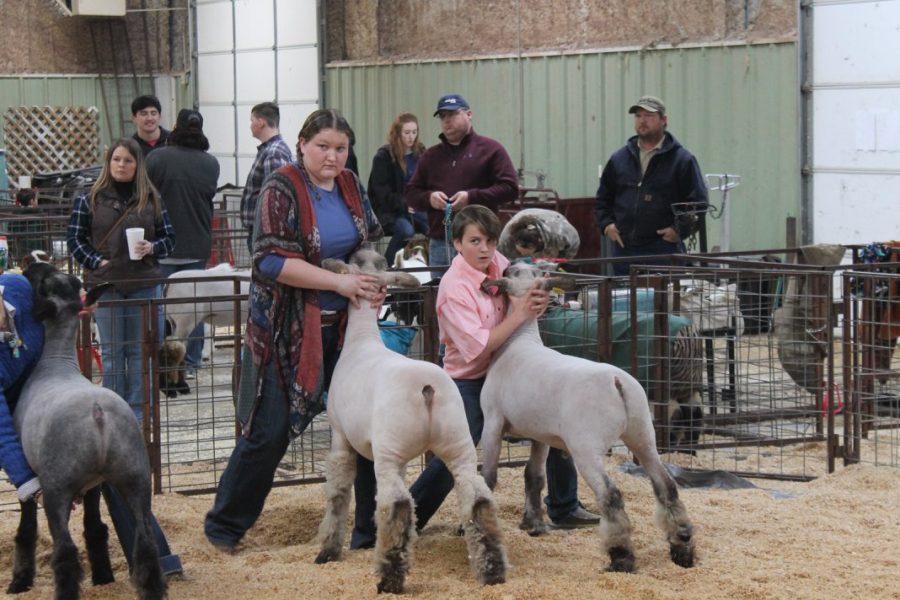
{"points": [[41, 139]]}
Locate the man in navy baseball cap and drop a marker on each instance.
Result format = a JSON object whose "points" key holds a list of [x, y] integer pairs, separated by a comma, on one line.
{"points": [[451, 102]]}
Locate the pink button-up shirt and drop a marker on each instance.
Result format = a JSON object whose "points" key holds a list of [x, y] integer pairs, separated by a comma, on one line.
{"points": [[466, 316]]}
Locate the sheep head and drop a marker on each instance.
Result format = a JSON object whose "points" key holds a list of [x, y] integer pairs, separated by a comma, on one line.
{"points": [[55, 293], [519, 277], [367, 261]]}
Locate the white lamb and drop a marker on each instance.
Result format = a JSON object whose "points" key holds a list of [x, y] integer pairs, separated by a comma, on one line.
{"points": [[583, 407], [391, 409]]}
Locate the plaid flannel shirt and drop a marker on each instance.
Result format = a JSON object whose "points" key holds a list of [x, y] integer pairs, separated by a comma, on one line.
{"points": [[270, 155]]}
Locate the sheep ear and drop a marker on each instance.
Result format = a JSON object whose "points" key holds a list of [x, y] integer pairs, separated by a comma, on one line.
{"points": [[336, 266], [95, 292], [565, 282], [398, 279], [495, 286]]}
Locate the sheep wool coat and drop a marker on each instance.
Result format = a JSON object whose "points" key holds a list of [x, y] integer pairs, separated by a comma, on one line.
{"points": [[284, 323]]}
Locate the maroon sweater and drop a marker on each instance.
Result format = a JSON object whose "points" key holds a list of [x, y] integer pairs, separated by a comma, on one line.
{"points": [[478, 165]]}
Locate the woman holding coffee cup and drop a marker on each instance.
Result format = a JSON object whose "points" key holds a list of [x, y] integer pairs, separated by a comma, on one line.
{"points": [[102, 239]]}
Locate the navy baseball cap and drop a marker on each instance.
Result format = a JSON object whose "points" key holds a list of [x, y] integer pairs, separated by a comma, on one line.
{"points": [[451, 102]]}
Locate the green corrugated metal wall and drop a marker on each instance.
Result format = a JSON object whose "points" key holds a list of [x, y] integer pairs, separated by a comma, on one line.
{"points": [[63, 90], [734, 107]]}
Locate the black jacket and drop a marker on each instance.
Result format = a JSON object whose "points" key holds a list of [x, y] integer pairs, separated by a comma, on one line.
{"points": [[186, 179], [160, 143], [639, 206], [386, 188]]}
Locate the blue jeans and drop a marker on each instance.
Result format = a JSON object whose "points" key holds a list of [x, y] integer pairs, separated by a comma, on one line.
{"points": [[193, 356], [404, 227], [660, 246], [247, 480], [435, 482], [437, 255], [121, 345], [124, 523]]}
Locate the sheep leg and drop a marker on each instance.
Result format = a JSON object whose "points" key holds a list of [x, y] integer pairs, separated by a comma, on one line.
{"points": [[96, 539], [491, 438], [535, 479], [671, 516], [26, 543], [146, 574], [340, 472], [67, 573], [615, 529], [482, 527], [394, 521]]}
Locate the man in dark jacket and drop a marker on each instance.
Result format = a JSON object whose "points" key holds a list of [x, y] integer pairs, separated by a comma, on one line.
{"points": [[641, 183], [186, 176], [145, 114], [464, 168]]}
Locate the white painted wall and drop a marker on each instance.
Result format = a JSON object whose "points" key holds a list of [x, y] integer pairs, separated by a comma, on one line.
{"points": [[252, 51], [856, 120]]}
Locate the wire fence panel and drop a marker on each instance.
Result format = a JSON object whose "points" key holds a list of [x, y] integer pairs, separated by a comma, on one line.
{"points": [[752, 365], [871, 366]]}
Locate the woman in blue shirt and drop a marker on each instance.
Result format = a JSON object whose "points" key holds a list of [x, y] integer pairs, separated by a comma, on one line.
{"points": [[308, 211]]}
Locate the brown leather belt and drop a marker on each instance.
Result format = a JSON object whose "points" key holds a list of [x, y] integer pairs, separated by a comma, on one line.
{"points": [[332, 318]]}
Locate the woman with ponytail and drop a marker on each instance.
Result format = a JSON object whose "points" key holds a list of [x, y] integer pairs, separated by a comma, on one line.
{"points": [[309, 210]]}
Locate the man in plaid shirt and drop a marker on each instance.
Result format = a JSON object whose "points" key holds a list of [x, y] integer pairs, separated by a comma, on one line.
{"points": [[272, 153]]}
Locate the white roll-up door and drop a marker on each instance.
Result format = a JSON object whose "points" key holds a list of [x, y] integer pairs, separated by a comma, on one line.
{"points": [[855, 77], [252, 51]]}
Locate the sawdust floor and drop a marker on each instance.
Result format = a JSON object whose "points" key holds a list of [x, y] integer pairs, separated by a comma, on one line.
{"points": [[835, 537]]}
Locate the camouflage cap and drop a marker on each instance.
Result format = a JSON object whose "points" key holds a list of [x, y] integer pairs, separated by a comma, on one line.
{"points": [[648, 103]]}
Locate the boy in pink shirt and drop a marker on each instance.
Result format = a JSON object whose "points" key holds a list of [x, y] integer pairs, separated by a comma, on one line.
{"points": [[473, 325]]}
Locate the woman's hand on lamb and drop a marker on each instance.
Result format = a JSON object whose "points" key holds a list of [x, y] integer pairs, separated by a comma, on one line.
{"points": [[539, 299], [361, 287]]}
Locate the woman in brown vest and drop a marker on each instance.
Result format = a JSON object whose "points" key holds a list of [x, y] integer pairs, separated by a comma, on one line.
{"points": [[122, 198]]}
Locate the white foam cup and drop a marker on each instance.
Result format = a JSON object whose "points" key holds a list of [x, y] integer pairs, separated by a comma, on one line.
{"points": [[134, 235]]}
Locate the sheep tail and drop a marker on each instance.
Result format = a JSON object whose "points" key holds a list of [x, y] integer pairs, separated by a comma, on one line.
{"points": [[621, 391], [99, 416], [428, 394]]}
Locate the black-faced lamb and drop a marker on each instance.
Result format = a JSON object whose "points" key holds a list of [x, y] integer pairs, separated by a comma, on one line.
{"points": [[582, 407], [391, 409], [76, 435]]}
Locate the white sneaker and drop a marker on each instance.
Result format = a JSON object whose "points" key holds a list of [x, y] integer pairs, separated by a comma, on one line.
{"points": [[29, 490]]}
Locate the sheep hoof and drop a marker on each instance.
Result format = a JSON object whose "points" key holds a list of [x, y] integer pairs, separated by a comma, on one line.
{"points": [[102, 578], [682, 555], [391, 584], [533, 528], [621, 560], [19, 585], [326, 555]]}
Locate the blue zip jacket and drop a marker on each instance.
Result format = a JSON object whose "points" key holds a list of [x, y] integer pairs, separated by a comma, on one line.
{"points": [[639, 206], [14, 371]]}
